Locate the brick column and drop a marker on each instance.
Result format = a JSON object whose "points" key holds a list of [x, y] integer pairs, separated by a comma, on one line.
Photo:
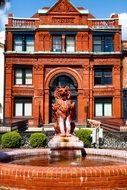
{"points": [[117, 42], [86, 90], [8, 107], [117, 94], [63, 43], [46, 102], [38, 81], [81, 104], [91, 105]]}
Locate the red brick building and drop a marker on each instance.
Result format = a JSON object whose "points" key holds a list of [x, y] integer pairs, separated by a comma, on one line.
{"points": [[62, 45], [124, 80]]}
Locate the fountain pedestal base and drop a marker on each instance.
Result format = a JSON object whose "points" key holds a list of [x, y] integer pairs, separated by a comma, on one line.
{"points": [[67, 146]]}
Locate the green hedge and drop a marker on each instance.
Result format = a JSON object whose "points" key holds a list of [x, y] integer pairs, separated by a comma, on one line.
{"points": [[38, 140], [11, 140], [85, 136]]}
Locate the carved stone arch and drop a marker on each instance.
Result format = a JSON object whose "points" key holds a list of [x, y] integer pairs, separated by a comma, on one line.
{"points": [[63, 74], [58, 71], [50, 77]]}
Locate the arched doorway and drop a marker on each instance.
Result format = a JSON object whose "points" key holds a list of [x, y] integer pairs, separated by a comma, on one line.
{"points": [[62, 79]]}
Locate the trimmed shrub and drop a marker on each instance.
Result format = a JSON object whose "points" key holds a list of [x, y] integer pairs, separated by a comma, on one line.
{"points": [[11, 140], [85, 136], [0, 138], [38, 140]]}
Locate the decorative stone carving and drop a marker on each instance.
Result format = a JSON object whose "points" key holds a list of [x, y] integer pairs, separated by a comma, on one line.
{"points": [[41, 37], [103, 61], [106, 91], [8, 66], [63, 6], [40, 92], [86, 67], [63, 20], [24, 91], [86, 93], [65, 61], [38, 67], [64, 111], [116, 67]]}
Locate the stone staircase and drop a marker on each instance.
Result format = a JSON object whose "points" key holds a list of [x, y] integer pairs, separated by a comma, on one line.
{"points": [[114, 125]]}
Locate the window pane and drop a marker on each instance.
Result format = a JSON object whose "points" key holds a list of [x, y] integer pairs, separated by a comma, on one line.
{"points": [[97, 48], [98, 72], [98, 81], [18, 43], [107, 80], [107, 73], [97, 44], [28, 76], [97, 40], [29, 43], [18, 81], [28, 109], [18, 109], [98, 109], [107, 109], [18, 76], [57, 44], [108, 43], [70, 43]]}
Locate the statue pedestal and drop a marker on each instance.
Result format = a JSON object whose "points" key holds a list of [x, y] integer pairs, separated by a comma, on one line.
{"points": [[66, 146]]}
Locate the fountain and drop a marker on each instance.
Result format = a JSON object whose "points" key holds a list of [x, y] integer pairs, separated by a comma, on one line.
{"points": [[28, 176], [64, 143]]}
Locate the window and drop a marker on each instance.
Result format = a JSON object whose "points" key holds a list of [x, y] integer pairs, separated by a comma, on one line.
{"points": [[23, 107], [70, 43], [23, 76], [103, 107], [103, 76], [57, 43], [103, 43], [23, 42], [67, 43]]}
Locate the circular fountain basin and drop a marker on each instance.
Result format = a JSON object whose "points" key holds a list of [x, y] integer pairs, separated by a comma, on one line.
{"points": [[111, 175]]}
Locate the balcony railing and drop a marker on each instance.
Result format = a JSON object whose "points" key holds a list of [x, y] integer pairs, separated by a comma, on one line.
{"points": [[24, 22], [103, 23]]}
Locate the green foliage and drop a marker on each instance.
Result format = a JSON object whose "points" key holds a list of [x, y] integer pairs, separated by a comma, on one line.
{"points": [[85, 136], [38, 140], [0, 138], [11, 140]]}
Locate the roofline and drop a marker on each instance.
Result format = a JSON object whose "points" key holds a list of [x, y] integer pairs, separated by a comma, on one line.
{"points": [[58, 2]]}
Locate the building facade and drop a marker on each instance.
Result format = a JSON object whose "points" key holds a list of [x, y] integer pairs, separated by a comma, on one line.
{"points": [[1, 79], [58, 46], [124, 80]]}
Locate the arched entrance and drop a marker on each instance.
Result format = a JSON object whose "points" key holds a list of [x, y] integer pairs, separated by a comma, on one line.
{"points": [[62, 79]]}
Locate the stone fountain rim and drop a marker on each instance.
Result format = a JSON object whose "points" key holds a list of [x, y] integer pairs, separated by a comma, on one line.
{"points": [[28, 177], [21, 153]]}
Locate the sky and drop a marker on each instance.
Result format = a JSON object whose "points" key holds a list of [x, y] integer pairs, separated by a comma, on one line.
{"points": [[99, 8]]}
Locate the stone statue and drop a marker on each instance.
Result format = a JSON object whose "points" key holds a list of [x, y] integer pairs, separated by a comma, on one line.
{"points": [[64, 111]]}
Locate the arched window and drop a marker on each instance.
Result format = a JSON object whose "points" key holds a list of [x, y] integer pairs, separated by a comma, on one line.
{"points": [[62, 80]]}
